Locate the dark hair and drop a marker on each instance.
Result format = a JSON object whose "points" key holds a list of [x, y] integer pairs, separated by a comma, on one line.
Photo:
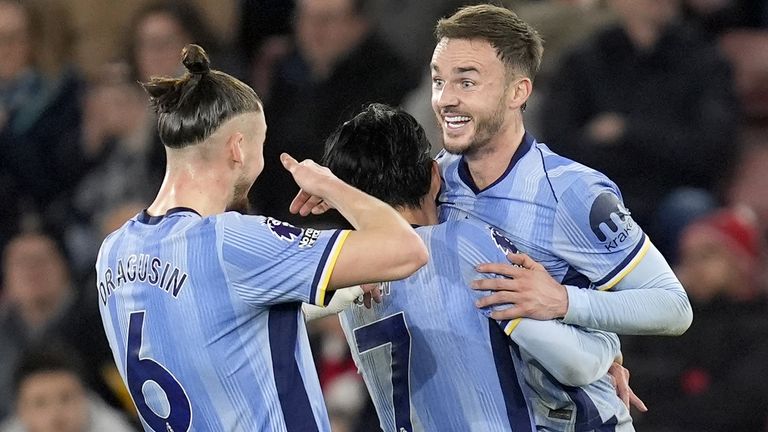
{"points": [[55, 357], [517, 44], [384, 152], [192, 107]]}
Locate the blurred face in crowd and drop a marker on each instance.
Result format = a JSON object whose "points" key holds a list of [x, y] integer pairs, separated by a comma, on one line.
{"points": [[469, 93], [159, 40], [655, 12], [706, 268], [36, 276], [326, 30], [15, 44], [52, 401]]}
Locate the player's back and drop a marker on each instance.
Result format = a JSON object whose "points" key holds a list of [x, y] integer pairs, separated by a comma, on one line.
{"points": [[196, 352], [430, 359]]}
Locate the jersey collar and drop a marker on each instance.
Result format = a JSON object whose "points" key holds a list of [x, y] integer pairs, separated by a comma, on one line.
{"points": [[148, 219], [522, 149]]}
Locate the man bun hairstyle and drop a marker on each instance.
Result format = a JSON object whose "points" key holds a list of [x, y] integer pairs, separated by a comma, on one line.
{"points": [[384, 152], [191, 107], [517, 44]]}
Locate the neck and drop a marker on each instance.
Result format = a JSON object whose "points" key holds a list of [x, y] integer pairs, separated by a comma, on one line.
{"points": [[194, 186], [489, 163], [423, 216]]}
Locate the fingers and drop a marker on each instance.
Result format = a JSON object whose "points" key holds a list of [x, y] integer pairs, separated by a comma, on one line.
{"points": [[320, 208], [376, 294], [507, 270], [524, 261], [309, 205], [367, 300], [508, 314], [299, 201], [496, 284], [289, 162], [637, 402], [498, 298]]}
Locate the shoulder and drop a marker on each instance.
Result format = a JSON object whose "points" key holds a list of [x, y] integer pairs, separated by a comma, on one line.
{"points": [[567, 176], [447, 161]]}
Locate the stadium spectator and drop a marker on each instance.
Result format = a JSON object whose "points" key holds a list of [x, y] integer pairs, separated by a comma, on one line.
{"points": [[42, 306], [51, 396], [339, 64], [648, 102], [40, 153], [714, 376], [117, 120]]}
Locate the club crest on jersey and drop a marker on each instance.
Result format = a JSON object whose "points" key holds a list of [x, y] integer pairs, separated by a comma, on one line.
{"points": [[283, 230], [502, 242], [610, 221]]}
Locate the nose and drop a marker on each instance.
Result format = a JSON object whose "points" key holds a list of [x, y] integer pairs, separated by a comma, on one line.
{"points": [[445, 97]]}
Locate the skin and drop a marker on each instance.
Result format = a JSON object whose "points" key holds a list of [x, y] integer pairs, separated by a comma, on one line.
{"points": [[469, 79], [159, 40], [326, 30], [52, 402], [15, 43], [36, 277]]}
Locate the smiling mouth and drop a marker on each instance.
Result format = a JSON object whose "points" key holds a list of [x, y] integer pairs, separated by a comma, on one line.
{"points": [[456, 121]]}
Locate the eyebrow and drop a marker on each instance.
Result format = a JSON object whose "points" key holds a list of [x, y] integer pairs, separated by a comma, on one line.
{"points": [[466, 69]]}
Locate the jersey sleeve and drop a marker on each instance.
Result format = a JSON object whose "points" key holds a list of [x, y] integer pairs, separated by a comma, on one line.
{"points": [[595, 233], [269, 262], [575, 356]]}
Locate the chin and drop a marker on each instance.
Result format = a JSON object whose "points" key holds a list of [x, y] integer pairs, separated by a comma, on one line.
{"points": [[456, 146]]}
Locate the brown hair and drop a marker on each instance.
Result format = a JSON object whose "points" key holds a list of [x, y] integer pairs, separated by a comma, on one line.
{"points": [[190, 108], [517, 44]]}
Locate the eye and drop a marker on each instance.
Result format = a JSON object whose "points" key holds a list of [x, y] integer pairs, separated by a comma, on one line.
{"points": [[467, 84], [437, 83]]}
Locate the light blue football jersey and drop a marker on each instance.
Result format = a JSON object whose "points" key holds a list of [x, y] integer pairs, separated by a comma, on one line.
{"points": [[433, 362], [568, 217], [572, 220], [204, 321]]}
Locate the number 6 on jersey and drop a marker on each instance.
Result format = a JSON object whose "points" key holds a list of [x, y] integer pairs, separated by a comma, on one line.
{"points": [[140, 371]]}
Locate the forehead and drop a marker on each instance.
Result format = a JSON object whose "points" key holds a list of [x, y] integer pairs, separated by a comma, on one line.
{"points": [[319, 6], [451, 54]]}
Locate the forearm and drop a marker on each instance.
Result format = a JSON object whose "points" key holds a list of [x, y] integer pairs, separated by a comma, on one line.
{"points": [[383, 246], [574, 356], [648, 301]]}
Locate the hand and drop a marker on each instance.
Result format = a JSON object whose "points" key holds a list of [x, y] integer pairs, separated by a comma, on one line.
{"points": [[341, 299], [372, 292], [606, 128], [527, 285], [312, 179], [620, 376]]}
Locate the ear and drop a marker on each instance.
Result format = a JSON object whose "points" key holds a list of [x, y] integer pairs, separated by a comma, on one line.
{"points": [[519, 93], [235, 147], [436, 183]]}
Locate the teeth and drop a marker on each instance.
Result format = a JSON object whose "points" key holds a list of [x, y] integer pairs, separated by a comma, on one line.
{"points": [[457, 119]]}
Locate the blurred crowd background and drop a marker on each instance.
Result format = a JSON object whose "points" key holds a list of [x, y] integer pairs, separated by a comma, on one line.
{"points": [[669, 98]]}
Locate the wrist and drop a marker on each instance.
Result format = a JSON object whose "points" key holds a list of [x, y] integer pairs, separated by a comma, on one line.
{"points": [[562, 309]]}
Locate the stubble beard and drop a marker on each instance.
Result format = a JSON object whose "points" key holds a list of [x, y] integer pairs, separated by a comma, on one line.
{"points": [[486, 128], [239, 202]]}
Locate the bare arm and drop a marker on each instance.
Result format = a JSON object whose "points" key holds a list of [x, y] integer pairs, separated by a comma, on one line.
{"points": [[382, 247]]}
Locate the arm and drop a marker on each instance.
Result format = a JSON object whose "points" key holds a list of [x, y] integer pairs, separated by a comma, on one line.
{"points": [[383, 246], [573, 355], [649, 300]]}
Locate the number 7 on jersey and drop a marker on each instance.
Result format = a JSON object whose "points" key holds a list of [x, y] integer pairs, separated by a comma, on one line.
{"points": [[392, 331]]}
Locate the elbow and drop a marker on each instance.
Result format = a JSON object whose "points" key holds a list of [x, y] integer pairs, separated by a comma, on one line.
{"points": [[684, 320], [413, 256], [578, 374]]}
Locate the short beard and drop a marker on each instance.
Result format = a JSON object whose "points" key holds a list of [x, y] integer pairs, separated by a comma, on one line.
{"points": [[240, 201], [485, 129]]}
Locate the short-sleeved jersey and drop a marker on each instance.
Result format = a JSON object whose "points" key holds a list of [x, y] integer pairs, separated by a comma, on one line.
{"points": [[430, 359], [568, 217], [203, 317], [571, 219]]}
